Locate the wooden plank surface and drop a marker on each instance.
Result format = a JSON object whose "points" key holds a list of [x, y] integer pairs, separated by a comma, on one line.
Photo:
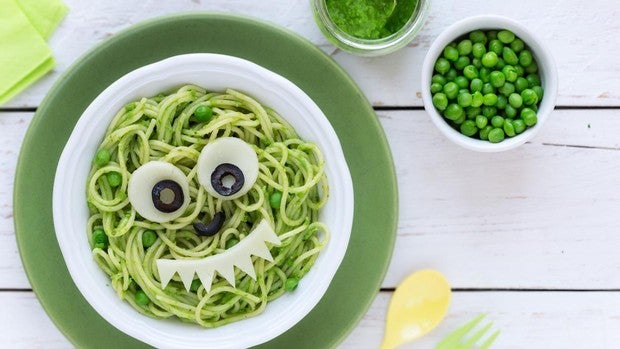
{"points": [[582, 37], [550, 320], [546, 212]]}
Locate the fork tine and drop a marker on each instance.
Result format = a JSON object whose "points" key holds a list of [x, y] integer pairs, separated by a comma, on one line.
{"points": [[454, 338], [490, 340], [476, 336]]}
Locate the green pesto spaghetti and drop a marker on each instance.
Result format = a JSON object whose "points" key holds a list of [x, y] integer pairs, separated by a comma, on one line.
{"points": [[290, 189]]}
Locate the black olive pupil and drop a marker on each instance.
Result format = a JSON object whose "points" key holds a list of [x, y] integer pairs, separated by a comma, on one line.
{"points": [[167, 196], [227, 179]]}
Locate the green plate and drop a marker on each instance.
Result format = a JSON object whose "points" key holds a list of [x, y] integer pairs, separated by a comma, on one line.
{"points": [[376, 205]]}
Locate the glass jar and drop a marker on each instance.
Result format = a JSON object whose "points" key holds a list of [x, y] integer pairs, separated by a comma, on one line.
{"points": [[370, 47]]}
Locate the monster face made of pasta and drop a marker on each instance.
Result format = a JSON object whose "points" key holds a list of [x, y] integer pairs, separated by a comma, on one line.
{"points": [[204, 206]]}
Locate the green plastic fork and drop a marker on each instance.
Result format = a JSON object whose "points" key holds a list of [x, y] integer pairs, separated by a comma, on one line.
{"points": [[458, 340]]}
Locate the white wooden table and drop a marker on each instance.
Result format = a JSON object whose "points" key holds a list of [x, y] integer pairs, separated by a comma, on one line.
{"points": [[530, 236]]}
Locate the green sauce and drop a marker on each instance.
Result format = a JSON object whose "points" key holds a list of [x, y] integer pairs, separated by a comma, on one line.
{"points": [[370, 19]]}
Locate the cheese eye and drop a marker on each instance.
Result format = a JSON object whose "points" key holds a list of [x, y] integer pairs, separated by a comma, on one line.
{"points": [[227, 168], [158, 191]]}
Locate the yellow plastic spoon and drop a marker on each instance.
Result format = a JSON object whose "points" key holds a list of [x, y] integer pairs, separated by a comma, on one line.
{"points": [[418, 305]]}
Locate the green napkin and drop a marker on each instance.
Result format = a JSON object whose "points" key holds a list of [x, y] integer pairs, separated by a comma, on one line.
{"points": [[24, 54]]}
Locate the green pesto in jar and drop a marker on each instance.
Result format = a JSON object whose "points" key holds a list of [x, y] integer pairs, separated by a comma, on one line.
{"points": [[370, 19]]}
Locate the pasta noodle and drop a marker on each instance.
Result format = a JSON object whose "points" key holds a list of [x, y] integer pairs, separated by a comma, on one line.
{"points": [[162, 128]]}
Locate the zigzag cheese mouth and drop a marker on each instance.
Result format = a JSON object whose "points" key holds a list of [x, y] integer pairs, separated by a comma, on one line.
{"points": [[255, 244]]}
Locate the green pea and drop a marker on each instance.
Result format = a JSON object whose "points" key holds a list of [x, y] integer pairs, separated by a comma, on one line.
{"points": [[478, 36], [497, 79], [291, 284], [476, 62], [487, 88], [500, 64], [478, 50], [453, 112], [203, 113], [440, 101], [468, 128], [532, 68], [102, 157], [439, 79], [507, 89], [496, 135], [534, 107], [477, 99], [451, 90], [464, 99], [464, 47], [130, 106], [451, 74], [492, 34], [100, 239], [517, 45], [539, 91], [231, 242], [489, 112], [461, 119], [435, 87], [520, 70], [462, 62], [476, 85], [497, 121], [141, 298], [114, 179], [275, 199], [490, 99], [525, 58], [529, 116], [509, 128], [470, 72], [195, 285], [510, 73], [452, 44], [451, 53], [481, 121], [519, 126], [521, 84], [489, 59], [506, 36], [510, 111], [442, 65], [461, 82], [148, 238], [515, 100], [484, 133], [496, 46], [484, 73], [529, 97], [472, 112], [463, 90], [509, 56], [533, 80], [502, 102]]}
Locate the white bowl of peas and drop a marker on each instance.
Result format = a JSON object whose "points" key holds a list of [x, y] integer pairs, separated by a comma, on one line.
{"points": [[488, 83]]}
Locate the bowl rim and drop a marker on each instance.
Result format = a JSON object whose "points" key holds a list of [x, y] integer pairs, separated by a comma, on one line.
{"points": [[547, 70], [156, 73]]}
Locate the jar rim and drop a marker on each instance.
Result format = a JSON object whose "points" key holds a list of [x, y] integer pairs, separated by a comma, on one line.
{"points": [[394, 41]]}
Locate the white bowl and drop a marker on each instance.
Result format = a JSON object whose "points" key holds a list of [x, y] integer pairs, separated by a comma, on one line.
{"points": [[213, 72], [546, 69]]}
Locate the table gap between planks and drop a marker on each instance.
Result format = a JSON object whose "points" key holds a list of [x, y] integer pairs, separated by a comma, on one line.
{"points": [[529, 236]]}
